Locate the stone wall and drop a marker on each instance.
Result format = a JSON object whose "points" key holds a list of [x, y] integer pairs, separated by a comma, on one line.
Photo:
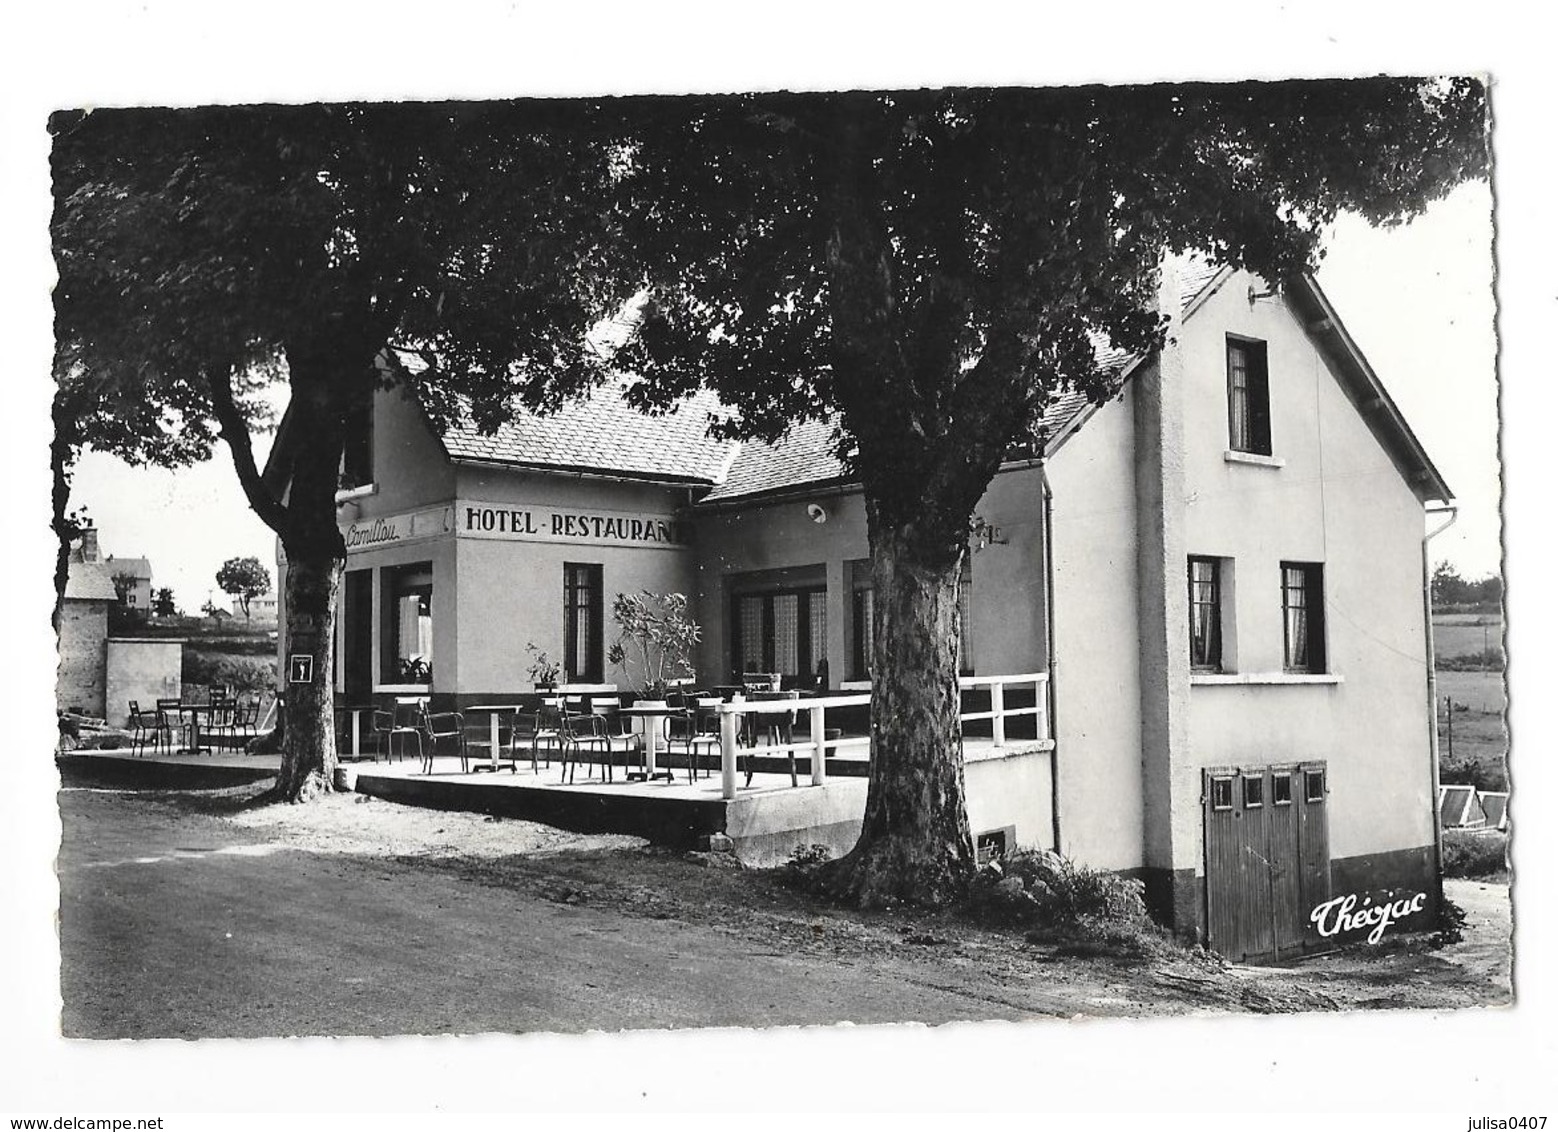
{"points": [[83, 630]]}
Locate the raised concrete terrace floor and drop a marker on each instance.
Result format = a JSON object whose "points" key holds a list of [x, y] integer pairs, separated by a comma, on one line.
{"points": [[766, 819]]}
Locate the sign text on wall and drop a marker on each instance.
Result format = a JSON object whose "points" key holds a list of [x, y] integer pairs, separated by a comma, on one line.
{"points": [[388, 530], [528, 522], [517, 522]]}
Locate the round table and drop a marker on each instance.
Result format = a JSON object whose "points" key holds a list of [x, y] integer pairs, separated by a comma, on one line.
{"points": [[651, 714]]}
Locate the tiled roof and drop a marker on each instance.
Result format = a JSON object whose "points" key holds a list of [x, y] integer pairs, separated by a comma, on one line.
{"points": [[135, 567], [807, 454], [603, 433], [90, 581], [1194, 274]]}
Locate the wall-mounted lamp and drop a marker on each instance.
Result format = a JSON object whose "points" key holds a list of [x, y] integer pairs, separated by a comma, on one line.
{"points": [[816, 512], [1256, 296], [983, 535]]}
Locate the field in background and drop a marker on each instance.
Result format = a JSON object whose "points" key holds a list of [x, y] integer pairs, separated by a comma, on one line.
{"points": [[1473, 738], [1467, 634]]}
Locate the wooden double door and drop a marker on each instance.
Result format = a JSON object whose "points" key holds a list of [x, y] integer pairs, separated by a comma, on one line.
{"points": [[1268, 860]]}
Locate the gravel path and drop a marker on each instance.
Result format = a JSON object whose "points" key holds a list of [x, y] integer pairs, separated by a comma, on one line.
{"points": [[198, 914]]}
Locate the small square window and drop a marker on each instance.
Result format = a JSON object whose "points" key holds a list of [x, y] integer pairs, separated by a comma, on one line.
{"points": [[1282, 788], [1249, 397], [1254, 792], [1222, 793], [1314, 785]]}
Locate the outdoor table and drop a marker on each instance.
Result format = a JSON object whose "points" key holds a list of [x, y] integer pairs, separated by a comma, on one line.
{"points": [[652, 717], [494, 712], [194, 711], [357, 712]]}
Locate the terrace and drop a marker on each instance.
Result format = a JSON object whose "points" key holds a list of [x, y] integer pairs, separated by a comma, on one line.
{"points": [[743, 789]]}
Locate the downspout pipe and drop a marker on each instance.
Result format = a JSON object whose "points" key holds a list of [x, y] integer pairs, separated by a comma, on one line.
{"points": [[1433, 693], [1048, 497]]}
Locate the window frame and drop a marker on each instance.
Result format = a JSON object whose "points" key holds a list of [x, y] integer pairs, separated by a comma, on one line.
{"points": [[1314, 776], [357, 453], [1258, 781], [862, 617], [1223, 781], [1310, 577], [391, 593], [808, 650], [588, 579], [1249, 395], [1213, 662]]}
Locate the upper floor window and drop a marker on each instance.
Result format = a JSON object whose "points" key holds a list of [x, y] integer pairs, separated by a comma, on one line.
{"points": [[1303, 617], [1206, 614], [1249, 397], [357, 458]]}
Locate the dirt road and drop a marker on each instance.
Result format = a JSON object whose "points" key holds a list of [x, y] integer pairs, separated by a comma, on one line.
{"points": [[189, 914]]}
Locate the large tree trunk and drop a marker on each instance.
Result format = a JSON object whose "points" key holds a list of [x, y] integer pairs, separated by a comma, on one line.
{"points": [[315, 557], [308, 754], [915, 844]]}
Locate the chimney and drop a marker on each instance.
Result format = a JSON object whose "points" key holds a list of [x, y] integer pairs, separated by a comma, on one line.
{"points": [[89, 544]]}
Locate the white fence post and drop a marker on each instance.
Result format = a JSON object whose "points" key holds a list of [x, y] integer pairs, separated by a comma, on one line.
{"points": [[997, 718], [819, 754], [727, 754]]}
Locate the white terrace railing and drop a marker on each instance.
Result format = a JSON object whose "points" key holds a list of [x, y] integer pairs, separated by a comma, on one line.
{"points": [[817, 743]]}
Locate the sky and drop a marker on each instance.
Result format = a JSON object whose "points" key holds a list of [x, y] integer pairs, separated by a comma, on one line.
{"points": [[1417, 299], [185, 52]]}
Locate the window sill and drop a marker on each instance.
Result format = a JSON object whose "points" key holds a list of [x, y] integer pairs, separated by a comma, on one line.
{"points": [[346, 495], [1233, 457], [412, 689], [1265, 678]]}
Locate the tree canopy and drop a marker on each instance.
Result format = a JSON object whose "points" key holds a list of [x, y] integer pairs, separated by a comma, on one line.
{"points": [[930, 267], [206, 252], [245, 578]]}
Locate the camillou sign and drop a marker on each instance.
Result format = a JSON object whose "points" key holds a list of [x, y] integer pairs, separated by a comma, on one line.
{"points": [[518, 522]]}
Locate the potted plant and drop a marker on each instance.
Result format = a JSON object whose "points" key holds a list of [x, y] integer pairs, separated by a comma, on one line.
{"points": [[543, 669], [655, 640]]}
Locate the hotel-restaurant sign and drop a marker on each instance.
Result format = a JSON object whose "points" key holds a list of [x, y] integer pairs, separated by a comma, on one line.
{"points": [[517, 522]]}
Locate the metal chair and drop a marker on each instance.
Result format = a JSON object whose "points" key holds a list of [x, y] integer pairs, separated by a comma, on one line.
{"points": [[697, 727], [581, 735], [219, 715], [777, 729], [170, 719], [382, 724], [443, 725], [246, 716], [405, 722], [144, 724], [547, 732], [617, 729]]}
